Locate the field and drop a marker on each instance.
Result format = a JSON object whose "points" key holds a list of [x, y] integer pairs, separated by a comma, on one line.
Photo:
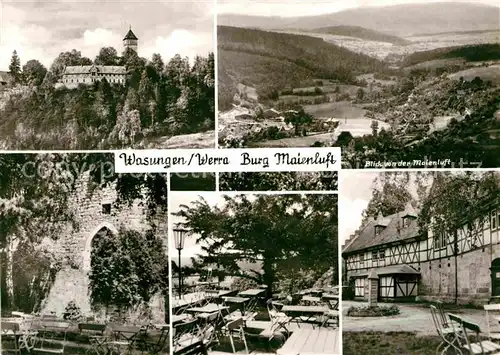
{"points": [[486, 73], [340, 109]]}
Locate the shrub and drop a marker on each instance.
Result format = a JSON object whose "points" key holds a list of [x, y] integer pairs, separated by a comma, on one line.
{"points": [[72, 312], [373, 311]]}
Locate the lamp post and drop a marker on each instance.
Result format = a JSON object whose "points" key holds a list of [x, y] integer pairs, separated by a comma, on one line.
{"points": [[179, 236]]}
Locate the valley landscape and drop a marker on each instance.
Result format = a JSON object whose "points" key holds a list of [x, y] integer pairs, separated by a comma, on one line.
{"points": [[387, 84]]}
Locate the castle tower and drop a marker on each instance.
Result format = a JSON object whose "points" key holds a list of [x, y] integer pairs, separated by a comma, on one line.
{"points": [[130, 40]]}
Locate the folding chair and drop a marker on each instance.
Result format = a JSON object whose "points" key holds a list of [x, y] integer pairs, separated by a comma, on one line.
{"points": [[212, 323], [48, 331], [186, 333], [10, 338], [448, 335], [479, 347], [488, 309], [279, 320], [95, 336], [155, 347], [235, 328]]}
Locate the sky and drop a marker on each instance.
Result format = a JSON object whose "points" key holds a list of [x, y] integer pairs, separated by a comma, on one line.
{"points": [[42, 29], [177, 199], [293, 8], [355, 191]]}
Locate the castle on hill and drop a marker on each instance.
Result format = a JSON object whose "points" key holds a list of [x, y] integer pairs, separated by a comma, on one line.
{"points": [[89, 74]]}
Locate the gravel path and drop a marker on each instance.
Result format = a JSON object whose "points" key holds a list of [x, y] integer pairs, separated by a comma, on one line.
{"points": [[413, 318]]}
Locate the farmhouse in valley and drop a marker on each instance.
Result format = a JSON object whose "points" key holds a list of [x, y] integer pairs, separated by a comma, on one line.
{"points": [[408, 263], [88, 74]]}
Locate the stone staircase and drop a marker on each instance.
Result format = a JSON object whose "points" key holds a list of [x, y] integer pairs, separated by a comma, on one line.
{"points": [[69, 285]]}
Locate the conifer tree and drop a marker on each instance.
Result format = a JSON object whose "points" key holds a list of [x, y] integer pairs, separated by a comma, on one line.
{"points": [[15, 67]]}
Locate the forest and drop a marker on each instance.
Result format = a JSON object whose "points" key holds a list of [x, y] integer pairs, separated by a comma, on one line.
{"points": [[272, 61], [160, 99]]}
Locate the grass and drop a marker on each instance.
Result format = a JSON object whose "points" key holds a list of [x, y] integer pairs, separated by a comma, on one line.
{"points": [[391, 343], [485, 73], [340, 109]]}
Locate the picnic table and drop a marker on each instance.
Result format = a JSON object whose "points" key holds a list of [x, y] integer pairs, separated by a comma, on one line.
{"points": [[311, 341], [305, 313], [333, 300]]}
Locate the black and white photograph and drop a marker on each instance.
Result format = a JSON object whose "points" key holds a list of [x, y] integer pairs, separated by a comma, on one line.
{"points": [[421, 262], [87, 75], [405, 82], [84, 257], [254, 273]]}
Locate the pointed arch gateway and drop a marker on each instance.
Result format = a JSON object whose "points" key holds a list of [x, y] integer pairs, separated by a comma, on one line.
{"points": [[105, 227]]}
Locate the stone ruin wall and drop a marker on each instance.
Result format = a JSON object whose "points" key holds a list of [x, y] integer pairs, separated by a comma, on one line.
{"points": [[74, 248]]}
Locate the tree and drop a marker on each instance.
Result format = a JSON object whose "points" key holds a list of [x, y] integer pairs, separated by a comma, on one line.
{"points": [[374, 127], [360, 94], [34, 72], [265, 231], [298, 119], [15, 67], [65, 59], [127, 269], [390, 195], [158, 63], [107, 56]]}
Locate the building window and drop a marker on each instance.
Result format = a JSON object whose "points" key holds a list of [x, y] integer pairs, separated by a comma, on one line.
{"points": [[362, 260], [106, 208], [440, 240], [386, 286], [359, 287], [493, 220]]}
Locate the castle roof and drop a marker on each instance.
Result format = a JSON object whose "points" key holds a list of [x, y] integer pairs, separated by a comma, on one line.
{"points": [[103, 69], [130, 35], [394, 231]]}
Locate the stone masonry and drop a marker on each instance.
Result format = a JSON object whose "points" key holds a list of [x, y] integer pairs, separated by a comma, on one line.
{"points": [[74, 249]]}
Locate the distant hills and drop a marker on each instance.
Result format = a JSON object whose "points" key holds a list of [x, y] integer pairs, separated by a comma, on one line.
{"points": [[398, 20], [269, 60], [471, 53], [362, 33]]}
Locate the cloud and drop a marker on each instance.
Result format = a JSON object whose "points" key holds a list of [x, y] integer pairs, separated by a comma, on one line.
{"points": [[296, 8], [42, 30], [180, 41]]}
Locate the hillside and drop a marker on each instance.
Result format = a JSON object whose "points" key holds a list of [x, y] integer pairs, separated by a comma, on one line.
{"points": [[155, 103], [362, 33], [473, 53], [399, 20], [271, 61]]}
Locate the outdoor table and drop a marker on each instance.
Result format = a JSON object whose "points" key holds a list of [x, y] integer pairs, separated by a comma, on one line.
{"points": [[333, 300], [310, 300], [178, 318], [128, 333], [238, 301], [309, 312], [311, 341], [209, 308], [253, 292]]}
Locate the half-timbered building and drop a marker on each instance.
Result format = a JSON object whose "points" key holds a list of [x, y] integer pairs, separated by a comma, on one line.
{"points": [[412, 263]]}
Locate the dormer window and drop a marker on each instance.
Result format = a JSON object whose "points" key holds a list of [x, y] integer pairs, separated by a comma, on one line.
{"points": [[407, 221], [378, 229]]}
